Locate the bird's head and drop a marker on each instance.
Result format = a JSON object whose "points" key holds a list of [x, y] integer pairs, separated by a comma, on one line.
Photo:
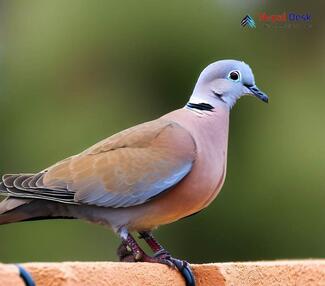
{"points": [[225, 81]]}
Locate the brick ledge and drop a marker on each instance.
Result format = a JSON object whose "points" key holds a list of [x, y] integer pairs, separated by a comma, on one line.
{"points": [[283, 272]]}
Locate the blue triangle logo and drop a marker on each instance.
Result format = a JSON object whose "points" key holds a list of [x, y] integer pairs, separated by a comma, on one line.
{"points": [[248, 21]]}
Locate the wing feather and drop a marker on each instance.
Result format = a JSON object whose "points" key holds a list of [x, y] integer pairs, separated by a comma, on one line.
{"points": [[126, 169]]}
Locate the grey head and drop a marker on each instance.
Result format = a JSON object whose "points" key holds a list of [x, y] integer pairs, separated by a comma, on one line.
{"points": [[224, 82]]}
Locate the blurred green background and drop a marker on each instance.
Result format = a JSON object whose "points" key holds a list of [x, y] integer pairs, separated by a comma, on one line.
{"points": [[74, 72]]}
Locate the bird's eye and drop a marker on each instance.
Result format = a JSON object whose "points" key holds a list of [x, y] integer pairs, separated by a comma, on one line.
{"points": [[234, 75]]}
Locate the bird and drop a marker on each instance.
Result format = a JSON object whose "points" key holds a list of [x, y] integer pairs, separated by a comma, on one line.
{"points": [[149, 175]]}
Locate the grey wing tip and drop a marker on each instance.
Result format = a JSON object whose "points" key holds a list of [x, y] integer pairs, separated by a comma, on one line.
{"points": [[2, 188]]}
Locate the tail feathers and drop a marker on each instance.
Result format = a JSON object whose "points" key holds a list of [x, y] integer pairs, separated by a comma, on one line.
{"points": [[30, 186], [3, 189], [12, 210], [18, 210], [26, 201], [9, 204], [12, 217]]}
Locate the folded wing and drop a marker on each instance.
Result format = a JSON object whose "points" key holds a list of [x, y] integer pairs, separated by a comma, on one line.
{"points": [[126, 169]]}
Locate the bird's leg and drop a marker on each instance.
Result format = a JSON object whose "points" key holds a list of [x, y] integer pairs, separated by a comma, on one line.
{"points": [[124, 253], [129, 245], [155, 246], [130, 251]]}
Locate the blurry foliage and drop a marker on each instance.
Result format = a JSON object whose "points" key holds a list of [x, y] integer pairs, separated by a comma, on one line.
{"points": [[74, 72]]}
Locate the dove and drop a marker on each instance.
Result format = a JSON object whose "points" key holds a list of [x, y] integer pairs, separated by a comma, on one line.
{"points": [[149, 175]]}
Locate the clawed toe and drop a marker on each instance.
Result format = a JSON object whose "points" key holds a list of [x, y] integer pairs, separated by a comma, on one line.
{"points": [[166, 262], [182, 266], [185, 269], [162, 254]]}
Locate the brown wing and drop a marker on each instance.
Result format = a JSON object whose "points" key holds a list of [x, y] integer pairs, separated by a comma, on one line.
{"points": [[126, 169]]}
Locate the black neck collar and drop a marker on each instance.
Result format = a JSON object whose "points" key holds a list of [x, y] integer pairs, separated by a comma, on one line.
{"points": [[200, 106]]}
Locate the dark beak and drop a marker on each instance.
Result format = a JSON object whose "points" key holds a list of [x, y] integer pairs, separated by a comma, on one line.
{"points": [[254, 90]]}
